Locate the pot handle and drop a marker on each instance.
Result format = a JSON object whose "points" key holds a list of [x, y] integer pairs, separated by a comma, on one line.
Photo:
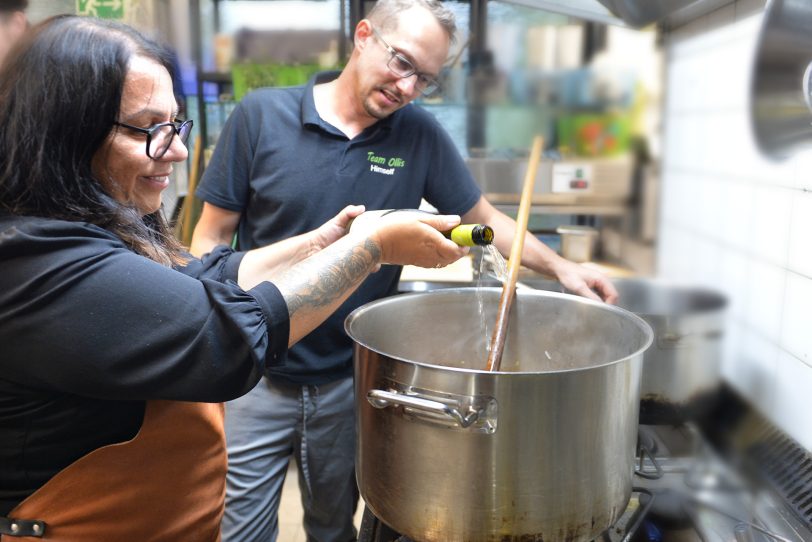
{"points": [[383, 399]]}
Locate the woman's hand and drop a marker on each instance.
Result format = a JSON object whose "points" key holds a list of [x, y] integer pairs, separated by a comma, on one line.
{"points": [[415, 239], [335, 228]]}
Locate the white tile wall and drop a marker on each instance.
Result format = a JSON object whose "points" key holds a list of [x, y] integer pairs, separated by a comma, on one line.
{"points": [[800, 248], [803, 177], [793, 385], [735, 220], [734, 282], [772, 210], [737, 214], [754, 369], [765, 287], [796, 335]]}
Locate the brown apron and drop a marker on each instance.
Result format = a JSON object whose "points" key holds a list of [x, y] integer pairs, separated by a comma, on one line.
{"points": [[166, 484]]}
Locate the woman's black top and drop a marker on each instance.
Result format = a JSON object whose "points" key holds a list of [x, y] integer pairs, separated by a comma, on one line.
{"points": [[89, 331]]}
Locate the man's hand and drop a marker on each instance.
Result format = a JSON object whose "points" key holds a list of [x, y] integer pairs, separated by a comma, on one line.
{"points": [[585, 282]]}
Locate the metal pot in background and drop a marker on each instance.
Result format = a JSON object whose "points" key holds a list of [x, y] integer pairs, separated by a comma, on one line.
{"points": [[543, 450], [681, 369]]}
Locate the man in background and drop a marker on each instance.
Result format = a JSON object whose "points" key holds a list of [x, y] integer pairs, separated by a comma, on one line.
{"points": [[287, 158], [13, 23]]}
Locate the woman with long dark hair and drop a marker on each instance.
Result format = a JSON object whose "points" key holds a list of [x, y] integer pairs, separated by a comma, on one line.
{"points": [[116, 344]]}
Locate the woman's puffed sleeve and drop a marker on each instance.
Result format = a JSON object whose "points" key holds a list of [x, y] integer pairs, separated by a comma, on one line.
{"points": [[275, 327], [221, 264], [83, 314]]}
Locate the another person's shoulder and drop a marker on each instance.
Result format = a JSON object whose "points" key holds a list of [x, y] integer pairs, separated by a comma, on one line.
{"points": [[272, 97], [414, 121], [30, 231], [416, 113]]}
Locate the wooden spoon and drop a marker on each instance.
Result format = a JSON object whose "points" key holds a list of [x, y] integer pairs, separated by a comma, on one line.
{"points": [[515, 260]]}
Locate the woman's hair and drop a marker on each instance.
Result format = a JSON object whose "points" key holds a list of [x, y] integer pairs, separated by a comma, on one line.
{"points": [[59, 98], [385, 14]]}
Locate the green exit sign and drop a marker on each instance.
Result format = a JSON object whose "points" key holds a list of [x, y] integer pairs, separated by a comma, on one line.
{"points": [[105, 9]]}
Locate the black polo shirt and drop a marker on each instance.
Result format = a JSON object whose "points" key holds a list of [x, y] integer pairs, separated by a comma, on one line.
{"points": [[287, 172]]}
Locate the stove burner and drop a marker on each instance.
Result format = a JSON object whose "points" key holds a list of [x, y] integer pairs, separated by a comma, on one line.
{"points": [[646, 439], [374, 530], [684, 492]]}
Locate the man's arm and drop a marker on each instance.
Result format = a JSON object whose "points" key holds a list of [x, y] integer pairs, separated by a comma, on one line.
{"points": [[541, 258], [215, 227]]}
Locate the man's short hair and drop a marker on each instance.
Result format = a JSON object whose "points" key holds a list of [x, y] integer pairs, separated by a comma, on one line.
{"points": [[384, 14]]}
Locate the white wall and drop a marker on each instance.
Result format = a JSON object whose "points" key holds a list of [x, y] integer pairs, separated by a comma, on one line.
{"points": [[39, 10], [733, 220], [282, 14]]}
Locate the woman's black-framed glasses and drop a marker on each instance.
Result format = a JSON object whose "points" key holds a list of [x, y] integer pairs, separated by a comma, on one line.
{"points": [[159, 136], [403, 67]]}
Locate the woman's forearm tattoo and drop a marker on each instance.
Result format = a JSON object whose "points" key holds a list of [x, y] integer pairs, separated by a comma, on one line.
{"points": [[323, 278]]}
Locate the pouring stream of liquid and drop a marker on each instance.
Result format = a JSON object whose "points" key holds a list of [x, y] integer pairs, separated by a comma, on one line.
{"points": [[492, 264]]}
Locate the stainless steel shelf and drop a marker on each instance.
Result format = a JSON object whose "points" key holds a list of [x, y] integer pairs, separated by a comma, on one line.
{"points": [[508, 204]]}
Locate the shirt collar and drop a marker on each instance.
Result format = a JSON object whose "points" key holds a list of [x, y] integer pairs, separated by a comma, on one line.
{"points": [[309, 114]]}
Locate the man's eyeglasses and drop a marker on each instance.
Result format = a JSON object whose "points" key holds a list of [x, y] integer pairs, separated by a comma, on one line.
{"points": [[403, 67], [159, 136]]}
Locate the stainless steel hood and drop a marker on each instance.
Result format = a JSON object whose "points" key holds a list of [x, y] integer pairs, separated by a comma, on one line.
{"points": [[638, 13], [631, 13], [781, 93], [588, 10]]}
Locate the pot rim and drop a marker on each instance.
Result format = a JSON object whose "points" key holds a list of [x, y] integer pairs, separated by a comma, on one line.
{"points": [[644, 326], [715, 302]]}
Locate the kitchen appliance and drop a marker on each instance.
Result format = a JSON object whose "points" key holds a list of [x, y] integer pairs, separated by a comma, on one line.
{"points": [[738, 479], [681, 370], [695, 492], [542, 450], [597, 182], [781, 93]]}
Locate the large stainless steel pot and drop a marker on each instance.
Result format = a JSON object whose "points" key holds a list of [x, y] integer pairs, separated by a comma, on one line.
{"points": [[681, 370], [541, 451]]}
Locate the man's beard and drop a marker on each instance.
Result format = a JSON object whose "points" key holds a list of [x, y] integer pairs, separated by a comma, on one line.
{"points": [[376, 112]]}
